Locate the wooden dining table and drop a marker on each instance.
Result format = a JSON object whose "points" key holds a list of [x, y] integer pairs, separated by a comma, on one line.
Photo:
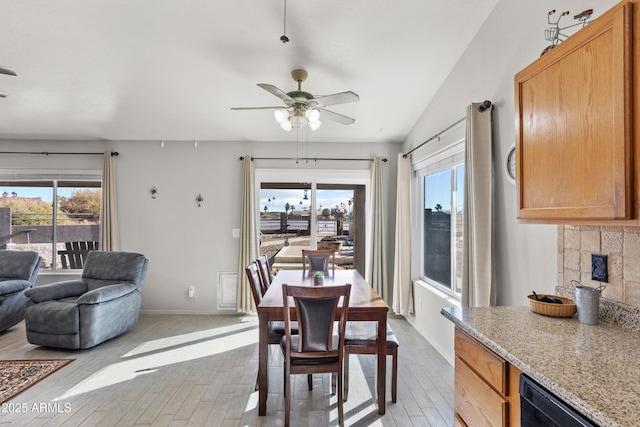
{"points": [[364, 305]]}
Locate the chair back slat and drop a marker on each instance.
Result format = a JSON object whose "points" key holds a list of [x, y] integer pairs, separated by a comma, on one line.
{"points": [[254, 281], [265, 273]]}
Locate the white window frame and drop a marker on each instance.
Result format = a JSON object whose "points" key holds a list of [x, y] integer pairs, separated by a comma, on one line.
{"points": [[446, 158]]}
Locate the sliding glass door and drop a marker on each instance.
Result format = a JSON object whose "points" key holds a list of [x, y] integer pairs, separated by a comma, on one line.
{"points": [[316, 215]]}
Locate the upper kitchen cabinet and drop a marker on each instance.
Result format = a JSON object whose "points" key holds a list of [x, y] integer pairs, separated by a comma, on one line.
{"points": [[575, 134]]}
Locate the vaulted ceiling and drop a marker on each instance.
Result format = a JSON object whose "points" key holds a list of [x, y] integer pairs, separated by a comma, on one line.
{"points": [[172, 69]]}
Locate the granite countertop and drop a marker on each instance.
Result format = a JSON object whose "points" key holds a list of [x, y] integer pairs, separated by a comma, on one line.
{"points": [[595, 369]]}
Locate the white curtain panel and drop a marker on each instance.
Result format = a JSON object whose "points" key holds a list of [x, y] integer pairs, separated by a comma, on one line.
{"points": [[378, 265], [478, 288], [248, 235], [402, 284], [109, 233]]}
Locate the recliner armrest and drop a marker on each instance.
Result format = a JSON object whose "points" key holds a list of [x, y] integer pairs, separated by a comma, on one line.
{"points": [[11, 286], [106, 293], [56, 291]]}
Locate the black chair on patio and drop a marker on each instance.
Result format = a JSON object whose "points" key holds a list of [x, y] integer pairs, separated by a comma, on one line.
{"points": [[75, 254]]}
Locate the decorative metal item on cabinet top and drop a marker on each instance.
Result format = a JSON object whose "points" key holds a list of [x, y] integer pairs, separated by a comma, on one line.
{"points": [[554, 33]]}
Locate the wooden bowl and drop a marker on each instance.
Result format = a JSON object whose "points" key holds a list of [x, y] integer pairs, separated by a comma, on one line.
{"points": [[566, 309]]}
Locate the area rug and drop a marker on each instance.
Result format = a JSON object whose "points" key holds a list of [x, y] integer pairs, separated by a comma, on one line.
{"points": [[18, 375]]}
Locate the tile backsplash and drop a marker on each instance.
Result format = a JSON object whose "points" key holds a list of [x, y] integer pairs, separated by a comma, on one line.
{"points": [[620, 300]]}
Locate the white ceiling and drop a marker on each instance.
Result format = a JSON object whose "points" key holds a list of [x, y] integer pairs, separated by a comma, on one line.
{"points": [[171, 69]]}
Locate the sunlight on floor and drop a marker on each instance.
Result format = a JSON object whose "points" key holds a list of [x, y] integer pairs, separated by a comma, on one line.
{"points": [[252, 402], [176, 340], [147, 358]]}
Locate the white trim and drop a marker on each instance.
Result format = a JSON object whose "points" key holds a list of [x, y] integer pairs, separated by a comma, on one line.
{"points": [[10, 174], [441, 291], [322, 176], [440, 160], [443, 159]]}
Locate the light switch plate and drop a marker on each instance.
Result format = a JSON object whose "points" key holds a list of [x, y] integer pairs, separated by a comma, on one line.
{"points": [[235, 233]]}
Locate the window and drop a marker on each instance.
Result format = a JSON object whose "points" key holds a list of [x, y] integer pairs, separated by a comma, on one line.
{"points": [[442, 212], [28, 220]]}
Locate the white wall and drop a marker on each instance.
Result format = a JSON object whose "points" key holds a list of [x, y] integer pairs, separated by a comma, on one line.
{"points": [[511, 38], [189, 245]]}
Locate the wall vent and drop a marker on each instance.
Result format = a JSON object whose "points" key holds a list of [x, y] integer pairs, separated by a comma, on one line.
{"points": [[227, 291]]}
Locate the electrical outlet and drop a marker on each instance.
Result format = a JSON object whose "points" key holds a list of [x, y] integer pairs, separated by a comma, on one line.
{"points": [[191, 293], [235, 233], [599, 268]]}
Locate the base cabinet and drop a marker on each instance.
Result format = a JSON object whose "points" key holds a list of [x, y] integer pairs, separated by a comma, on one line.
{"points": [[486, 386]]}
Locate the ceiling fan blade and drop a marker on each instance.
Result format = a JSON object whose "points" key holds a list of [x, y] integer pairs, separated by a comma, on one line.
{"points": [[7, 70], [277, 92], [332, 115], [3, 94], [337, 98], [260, 108]]}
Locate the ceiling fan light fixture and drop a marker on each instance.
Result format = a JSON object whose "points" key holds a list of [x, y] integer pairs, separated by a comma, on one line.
{"points": [[315, 125], [281, 115], [313, 115], [285, 125]]}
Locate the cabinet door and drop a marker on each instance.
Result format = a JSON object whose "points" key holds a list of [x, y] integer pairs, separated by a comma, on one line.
{"points": [[476, 402], [574, 125]]}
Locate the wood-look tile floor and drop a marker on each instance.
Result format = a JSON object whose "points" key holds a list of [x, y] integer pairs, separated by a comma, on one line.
{"points": [[194, 370]]}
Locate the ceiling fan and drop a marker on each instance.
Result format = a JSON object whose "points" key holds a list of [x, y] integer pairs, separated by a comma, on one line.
{"points": [[302, 108], [10, 72]]}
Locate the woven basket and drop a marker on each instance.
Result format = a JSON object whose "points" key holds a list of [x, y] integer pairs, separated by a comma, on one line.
{"points": [[566, 309]]}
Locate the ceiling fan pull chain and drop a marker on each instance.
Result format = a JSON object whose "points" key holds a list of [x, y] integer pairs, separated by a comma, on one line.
{"points": [[284, 37], [297, 145]]}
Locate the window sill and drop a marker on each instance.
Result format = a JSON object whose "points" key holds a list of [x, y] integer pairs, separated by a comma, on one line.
{"points": [[449, 297]]}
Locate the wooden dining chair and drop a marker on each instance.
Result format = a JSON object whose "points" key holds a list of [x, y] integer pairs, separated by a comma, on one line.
{"points": [[361, 338], [316, 348], [265, 272], [276, 328], [318, 260]]}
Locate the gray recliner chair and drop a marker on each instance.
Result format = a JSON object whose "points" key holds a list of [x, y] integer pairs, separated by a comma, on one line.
{"points": [[83, 313], [18, 272]]}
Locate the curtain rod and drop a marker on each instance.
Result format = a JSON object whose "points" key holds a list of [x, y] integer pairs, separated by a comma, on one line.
{"points": [[311, 158], [484, 106], [46, 153]]}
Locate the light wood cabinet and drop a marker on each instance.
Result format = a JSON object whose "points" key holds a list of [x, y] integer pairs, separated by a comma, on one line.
{"points": [[486, 386], [576, 145]]}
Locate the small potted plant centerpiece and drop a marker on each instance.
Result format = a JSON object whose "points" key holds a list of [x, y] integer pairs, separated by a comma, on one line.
{"points": [[318, 278]]}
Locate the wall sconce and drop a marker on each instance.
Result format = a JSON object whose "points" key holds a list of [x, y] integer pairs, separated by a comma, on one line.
{"points": [[154, 192], [199, 200]]}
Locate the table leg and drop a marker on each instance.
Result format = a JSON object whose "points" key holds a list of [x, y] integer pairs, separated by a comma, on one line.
{"points": [[382, 362], [263, 362]]}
